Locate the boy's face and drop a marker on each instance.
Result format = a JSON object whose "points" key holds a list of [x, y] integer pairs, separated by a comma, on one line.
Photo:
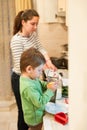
{"points": [[36, 73]]}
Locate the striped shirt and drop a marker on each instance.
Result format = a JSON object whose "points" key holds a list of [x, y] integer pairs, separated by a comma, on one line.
{"points": [[21, 43]]}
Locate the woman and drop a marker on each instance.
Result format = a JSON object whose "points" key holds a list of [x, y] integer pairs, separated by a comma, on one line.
{"points": [[24, 37]]}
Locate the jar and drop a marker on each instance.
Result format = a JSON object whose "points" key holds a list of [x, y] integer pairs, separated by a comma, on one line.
{"points": [[59, 90]]}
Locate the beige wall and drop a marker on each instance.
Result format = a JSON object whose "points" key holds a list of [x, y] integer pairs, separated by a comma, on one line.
{"points": [[53, 36], [77, 22]]}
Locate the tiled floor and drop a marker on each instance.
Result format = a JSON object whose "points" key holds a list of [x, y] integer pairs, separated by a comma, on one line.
{"points": [[8, 119]]}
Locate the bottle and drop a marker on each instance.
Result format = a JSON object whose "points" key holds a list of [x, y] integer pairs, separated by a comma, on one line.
{"points": [[59, 90]]}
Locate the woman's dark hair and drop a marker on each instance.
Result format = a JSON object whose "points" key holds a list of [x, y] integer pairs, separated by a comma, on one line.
{"points": [[25, 15], [31, 57]]}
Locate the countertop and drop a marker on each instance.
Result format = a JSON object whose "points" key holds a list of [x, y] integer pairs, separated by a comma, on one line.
{"points": [[50, 124]]}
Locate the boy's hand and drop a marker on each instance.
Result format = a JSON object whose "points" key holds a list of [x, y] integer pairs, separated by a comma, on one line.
{"points": [[52, 86]]}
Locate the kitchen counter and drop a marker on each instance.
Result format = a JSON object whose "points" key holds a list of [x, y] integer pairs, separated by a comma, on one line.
{"points": [[50, 124]]}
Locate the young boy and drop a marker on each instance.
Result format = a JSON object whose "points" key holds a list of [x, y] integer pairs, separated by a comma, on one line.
{"points": [[34, 92]]}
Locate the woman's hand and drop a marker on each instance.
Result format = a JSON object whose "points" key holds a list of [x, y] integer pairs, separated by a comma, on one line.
{"points": [[49, 65]]}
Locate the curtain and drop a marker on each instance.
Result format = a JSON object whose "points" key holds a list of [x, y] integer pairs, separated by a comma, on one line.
{"points": [[22, 4]]}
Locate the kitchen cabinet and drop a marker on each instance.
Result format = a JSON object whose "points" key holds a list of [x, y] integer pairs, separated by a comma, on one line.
{"points": [[51, 10], [61, 8]]}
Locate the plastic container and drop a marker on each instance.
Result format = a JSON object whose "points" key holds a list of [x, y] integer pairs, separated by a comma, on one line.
{"points": [[61, 118], [59, 90]]}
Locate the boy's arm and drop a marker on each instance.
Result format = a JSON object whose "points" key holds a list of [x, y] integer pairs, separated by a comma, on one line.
{"points": [[43, 84]]}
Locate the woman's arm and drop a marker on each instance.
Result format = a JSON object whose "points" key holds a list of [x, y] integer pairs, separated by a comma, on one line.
{"points": [[49, 64]]}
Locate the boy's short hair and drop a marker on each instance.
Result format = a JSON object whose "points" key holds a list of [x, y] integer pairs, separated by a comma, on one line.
{"points": [[31, 57]]}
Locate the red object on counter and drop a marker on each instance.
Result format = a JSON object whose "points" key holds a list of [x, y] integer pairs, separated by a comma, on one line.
{"points": [[61, 118]]}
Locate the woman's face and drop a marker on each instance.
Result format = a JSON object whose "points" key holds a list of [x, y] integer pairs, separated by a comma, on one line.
{"points": [[30, 26]]}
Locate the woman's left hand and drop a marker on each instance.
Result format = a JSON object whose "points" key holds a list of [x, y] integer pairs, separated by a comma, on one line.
{"points": [[49, 65]]}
